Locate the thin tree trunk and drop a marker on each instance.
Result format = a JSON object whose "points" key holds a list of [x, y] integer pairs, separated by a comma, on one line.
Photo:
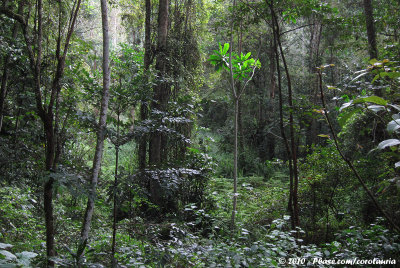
{"points": [[235, 161], [294, 197], [316, 31], [101, 127], [369, 20], [113, 243], [282, 128]]}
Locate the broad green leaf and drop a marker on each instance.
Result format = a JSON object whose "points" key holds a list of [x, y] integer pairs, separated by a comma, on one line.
{"points": [[247, 56], [372, 99], [388, 143], [214, 58], [324, 136], [393, 75], [375, 78], [226, 48], [373, 61], [346, 115]]}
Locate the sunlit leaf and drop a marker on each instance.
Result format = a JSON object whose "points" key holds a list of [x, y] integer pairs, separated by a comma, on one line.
{"points": [[343, 117], [388, 143], [372, 99], [226, 48], [346, 105], [376, 108], [393, 125]]}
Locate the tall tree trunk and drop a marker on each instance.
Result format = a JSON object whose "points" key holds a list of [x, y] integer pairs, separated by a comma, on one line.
{"points": [[101, 127], [314, 62], [282, 128], [160, 95], [293, 198], [160, 99], [144, 105], [270, 109], [369, 20], [44, 111]]}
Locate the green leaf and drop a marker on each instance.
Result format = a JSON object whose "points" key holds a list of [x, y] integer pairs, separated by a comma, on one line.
{"points": [[373, 61], [393, 75], [375, 78], [247, 56], [345, 116], [388, 143], [372, 99], [214, 58], [226, 48]]}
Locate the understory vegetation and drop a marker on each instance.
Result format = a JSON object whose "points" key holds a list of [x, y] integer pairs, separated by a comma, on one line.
{"points": [[157, 133]]}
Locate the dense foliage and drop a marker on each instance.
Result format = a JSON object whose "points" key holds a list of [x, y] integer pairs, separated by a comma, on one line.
{"points": [[237, 133]]}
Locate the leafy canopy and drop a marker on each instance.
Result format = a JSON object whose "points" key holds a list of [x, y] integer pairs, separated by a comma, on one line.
{"points": [[242, 65]]}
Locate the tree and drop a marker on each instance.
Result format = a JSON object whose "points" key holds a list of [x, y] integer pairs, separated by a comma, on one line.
{"points": [[101, 129], [161, 90], [48, 111], [147, 62], [241, 67], [293, 204], [369, 20]]}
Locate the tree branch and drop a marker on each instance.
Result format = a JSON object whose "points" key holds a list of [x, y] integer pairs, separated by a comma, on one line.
{"points": [[13, 16]]}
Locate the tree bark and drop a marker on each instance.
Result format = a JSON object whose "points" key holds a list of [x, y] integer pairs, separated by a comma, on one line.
{"points": [[160, 95], [144, 105], [235, 160], [101, 127], [314, 62], [45, 112], [369, 20], [293, 197]]}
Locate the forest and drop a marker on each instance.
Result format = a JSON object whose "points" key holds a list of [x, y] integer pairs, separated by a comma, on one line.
{"points": [[199, 133]]}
